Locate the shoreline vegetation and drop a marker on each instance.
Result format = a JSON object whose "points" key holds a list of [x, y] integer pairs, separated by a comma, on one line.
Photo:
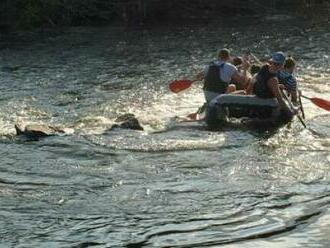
{"points": [[38, 14]]}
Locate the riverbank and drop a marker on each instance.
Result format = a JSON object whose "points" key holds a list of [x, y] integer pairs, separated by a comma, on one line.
{"points": [[32, 14]]}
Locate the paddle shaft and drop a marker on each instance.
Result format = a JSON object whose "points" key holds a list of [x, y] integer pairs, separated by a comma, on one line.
{"points": [[306, 97], [199, 111], [256, 58], [292, 107], [301, 106]]}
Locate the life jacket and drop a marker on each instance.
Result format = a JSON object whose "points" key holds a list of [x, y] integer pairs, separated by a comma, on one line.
{"points": [[212, 80], [260, 87], [288, 80]]}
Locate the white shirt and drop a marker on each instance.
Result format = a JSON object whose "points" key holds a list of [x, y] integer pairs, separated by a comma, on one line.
{"points": [[226, 71]]}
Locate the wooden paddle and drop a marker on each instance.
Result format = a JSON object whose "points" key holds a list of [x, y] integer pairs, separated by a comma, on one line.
{"points": [[322, 103]]}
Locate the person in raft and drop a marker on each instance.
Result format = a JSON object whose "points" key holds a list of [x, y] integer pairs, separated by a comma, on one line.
{"points": [[238, 63], [219, 74], [267, 86], [288, 80]]}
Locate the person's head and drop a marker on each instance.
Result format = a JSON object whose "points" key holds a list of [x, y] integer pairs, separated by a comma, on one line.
{"points": [[224, 54], [237, 60], [289, 64], [277, 61]]}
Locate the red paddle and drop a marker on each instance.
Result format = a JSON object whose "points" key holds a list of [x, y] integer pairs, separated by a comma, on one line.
{"points": [[193, 116], [322, 103], [180, 85]]}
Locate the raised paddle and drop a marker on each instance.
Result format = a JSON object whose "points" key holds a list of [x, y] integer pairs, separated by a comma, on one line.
{"points": [[255, 58], [322, 103], [180, 85]]}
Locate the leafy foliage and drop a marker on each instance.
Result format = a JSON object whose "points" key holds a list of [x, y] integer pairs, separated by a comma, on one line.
{"points": [[28, 14]]}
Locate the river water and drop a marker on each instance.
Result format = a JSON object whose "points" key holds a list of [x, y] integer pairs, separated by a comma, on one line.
{"points": [[174, 184]]}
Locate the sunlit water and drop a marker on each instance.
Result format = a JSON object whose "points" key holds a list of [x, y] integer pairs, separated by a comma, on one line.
{"points": [[174, 184]]}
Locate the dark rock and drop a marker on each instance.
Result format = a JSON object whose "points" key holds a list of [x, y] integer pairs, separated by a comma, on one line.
{"points": [[35, 131], [127, 121]]}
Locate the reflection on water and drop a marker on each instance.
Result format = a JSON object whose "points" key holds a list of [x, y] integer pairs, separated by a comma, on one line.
{"points": [[174, 184]]}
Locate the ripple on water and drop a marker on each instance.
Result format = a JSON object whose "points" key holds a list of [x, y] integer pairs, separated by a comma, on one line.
{"points": [[176, 140], [171, 185]]}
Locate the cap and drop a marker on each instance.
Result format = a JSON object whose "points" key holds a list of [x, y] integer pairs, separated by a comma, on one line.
{"points": [[278, 58]]}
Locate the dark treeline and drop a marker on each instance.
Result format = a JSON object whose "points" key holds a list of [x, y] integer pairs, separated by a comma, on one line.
{"points": [[28, 14]]}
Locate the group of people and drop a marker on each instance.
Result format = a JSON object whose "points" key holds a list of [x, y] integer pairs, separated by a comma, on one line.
{"points": [[228, 75]]}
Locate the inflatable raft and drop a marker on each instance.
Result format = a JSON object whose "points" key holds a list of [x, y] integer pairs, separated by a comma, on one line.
{"points": [[253, 111]]}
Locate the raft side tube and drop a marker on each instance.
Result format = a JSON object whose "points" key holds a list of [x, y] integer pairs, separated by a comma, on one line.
{"points": [[229, 105]]}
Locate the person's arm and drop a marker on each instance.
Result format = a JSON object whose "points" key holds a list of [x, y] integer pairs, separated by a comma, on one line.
{"points": [[249, 89], [275, 89], [293, 90], [292, 93], [294, 96], [242, 78]]}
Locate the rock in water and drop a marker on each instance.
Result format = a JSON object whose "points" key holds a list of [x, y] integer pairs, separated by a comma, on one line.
{"points": [[127, 121], [35, 131]]}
